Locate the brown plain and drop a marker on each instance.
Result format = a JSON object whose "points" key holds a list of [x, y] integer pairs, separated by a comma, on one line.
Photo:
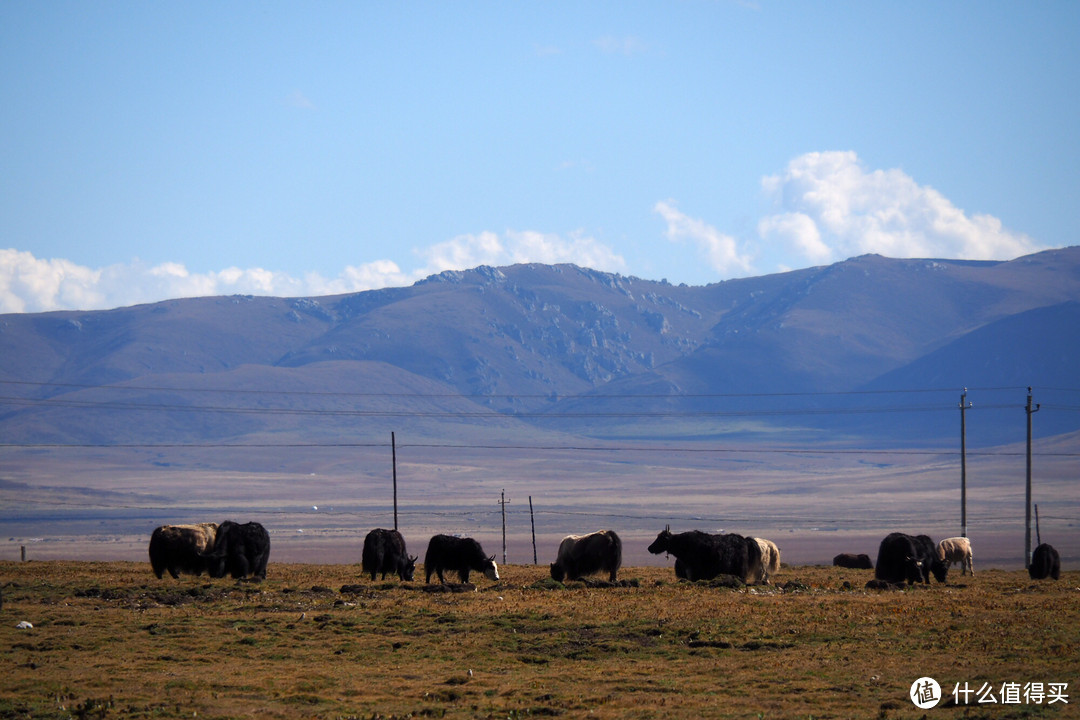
{"points": [[318, 641]]}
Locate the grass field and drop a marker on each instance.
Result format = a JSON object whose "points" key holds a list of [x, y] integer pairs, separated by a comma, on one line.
{"points": [[318, 641]]}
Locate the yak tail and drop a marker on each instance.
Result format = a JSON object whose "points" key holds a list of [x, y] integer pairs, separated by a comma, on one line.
{"points": [[774, 558], [755, 567]]}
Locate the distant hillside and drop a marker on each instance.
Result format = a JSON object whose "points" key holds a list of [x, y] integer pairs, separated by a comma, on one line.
{"points": [[549, 349]]}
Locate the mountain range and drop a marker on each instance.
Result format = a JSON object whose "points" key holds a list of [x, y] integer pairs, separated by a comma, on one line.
{"points": [[869, 349]]}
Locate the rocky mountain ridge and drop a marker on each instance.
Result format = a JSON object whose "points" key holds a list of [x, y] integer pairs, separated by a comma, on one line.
{"points": [[561, 347]]}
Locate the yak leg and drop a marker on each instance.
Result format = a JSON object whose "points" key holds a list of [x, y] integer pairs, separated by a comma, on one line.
{"points": [[240, 569], [258, 566]]}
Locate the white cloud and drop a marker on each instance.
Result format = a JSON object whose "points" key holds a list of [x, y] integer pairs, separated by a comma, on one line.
{"points": [[720, 251], [831, 208], [298, 100], [464, 251], [627, 45], [580, 165], [30, 284], [546, 50], [580, 249], [800, 231], [488, 248], [354, 278]]}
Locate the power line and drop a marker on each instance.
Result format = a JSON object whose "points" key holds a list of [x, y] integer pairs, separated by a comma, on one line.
{"points": [[551, 396], [763, 450], [75, 404], [493, 413], [801, 520]]}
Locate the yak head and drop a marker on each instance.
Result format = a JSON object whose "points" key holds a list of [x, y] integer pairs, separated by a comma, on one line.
{"points": [[557, 572], [661, 543], [940, 570], [216, 563], [225, 543], [913, 567], [491, 570], [407, 568]]}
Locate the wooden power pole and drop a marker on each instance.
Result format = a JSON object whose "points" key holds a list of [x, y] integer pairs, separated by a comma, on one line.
{"points": [[1031, 410], [503, 501], [532, 521], [393, 455], [964, 405]]}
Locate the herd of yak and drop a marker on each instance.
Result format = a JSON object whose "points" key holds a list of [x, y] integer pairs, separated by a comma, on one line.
{"points": [[243, 551]]}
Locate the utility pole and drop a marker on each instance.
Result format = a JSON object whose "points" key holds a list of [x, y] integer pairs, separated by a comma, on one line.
{"points": [[964, 405], [393, 454], [1027, 493], [532, 521], [503, 501], [1038, 535]]}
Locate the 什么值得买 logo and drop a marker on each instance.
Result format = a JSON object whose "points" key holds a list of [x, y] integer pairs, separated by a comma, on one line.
{"points": [[925, 693]]}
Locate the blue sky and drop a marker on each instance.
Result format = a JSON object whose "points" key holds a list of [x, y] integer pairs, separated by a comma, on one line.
{"points": [[152, 150]]}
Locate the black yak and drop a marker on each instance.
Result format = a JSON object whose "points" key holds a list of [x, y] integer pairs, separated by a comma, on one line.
{"points": [[928, 558], [446, 553], [1045, 562], [180, 548], [384, 551], [898, 560], [581, 555], [855, 562], [701, 556], [240, 550]]}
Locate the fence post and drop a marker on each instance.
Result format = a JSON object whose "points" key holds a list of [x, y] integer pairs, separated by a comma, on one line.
{"points": [[393, 456], [532, 521], [502, 502]]}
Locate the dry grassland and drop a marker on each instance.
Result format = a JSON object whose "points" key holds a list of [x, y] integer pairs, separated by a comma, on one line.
{"points": [[318, 641]]}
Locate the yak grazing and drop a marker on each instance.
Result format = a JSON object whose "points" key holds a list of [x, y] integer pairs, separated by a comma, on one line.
{"points": [[956, 550], [928, 558], [384, 551], [446, 553], [855, 562], [180, 548], [581, 555], [1045, 562], [240, 550], [701, 556], [905, 558], [770, 559], [898, 560]]}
